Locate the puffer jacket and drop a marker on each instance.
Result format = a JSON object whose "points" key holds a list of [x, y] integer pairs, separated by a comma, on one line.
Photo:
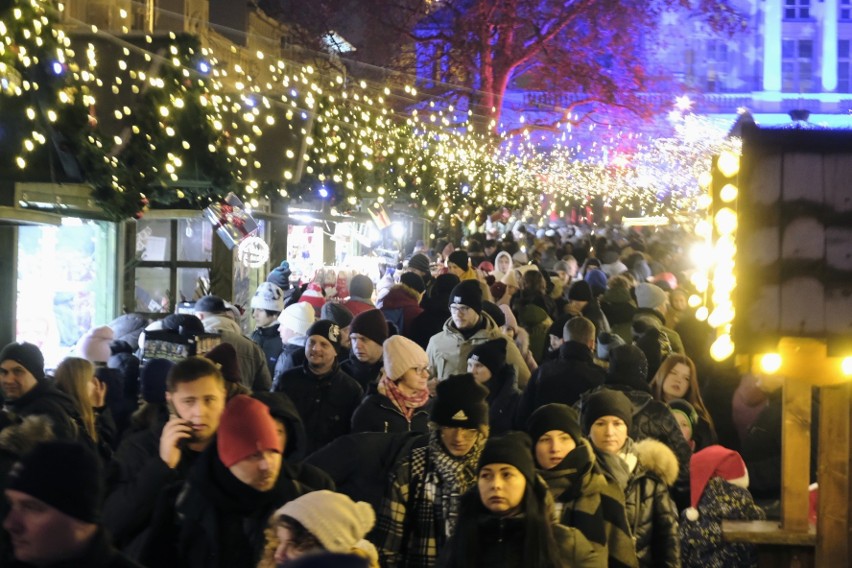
{"points": [[449, 350], [651, 513], [653, 419]]}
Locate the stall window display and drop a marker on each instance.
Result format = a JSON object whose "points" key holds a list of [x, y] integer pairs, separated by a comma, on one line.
{"points": [[66, 283]]}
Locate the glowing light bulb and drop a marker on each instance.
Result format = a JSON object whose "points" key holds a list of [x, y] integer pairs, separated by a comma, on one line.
{"points": [[770, 363]]}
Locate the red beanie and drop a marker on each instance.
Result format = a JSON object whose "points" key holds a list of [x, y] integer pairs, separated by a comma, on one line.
{"points": [[246, 428], [711, 462]]}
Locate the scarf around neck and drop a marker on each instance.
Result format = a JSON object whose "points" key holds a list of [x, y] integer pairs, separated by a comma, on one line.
{"points": [[406, 404]]}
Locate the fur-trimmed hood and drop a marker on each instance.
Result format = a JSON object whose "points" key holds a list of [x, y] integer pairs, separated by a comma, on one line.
{"points": [[657, 457], [22, 437]]}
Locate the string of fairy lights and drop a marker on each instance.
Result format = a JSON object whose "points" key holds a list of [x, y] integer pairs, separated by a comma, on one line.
{"points": [[165, 119]]}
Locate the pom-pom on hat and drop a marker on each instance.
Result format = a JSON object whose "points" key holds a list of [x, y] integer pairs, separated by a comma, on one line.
{"points": [[650, 296], [513, 448], [554, 416], [280, 275], [338, 313], [460, 259], [94, 345], [401, 354], [708, 463], [27, 355], [491, 354], [371, 324], [607, 402], [419, 262], [246, 427], [268, 297], [336, 521], [467, 293], [297, 317], [460, 403], [65, 475]]}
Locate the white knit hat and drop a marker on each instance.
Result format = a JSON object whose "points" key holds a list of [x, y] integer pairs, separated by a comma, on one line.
{"points": [[94, 346], [650, 295], [336, 521], [402, 354], [298, 317], [268, 297]]}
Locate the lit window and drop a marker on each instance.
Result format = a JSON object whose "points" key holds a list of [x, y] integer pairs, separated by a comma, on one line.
{"points": [[797, 66], [845, 7], [844, 66], [797, 9]]}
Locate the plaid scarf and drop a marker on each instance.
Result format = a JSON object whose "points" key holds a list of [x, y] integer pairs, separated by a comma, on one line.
{"points": [[406, 404]]}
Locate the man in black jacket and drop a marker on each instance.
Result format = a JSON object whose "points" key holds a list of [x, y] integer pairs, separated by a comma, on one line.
{"points": [[367, 332], [54, 501], [324, 395], [148, 461], [564, 379], [27, 393]]}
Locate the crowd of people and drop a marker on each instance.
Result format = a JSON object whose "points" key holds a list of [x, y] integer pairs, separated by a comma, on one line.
{"points": [[534, 401]]}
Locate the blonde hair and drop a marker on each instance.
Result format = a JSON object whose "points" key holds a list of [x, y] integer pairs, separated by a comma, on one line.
{"points": [[73, 377]]}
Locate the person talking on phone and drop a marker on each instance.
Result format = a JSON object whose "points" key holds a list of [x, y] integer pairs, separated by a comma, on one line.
{"points": [[152, 459]]}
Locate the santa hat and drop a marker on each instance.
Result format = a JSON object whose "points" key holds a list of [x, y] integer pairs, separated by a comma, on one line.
{"points": [[711, 462]]}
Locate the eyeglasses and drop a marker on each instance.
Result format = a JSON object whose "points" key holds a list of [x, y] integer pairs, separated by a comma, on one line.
{"points": [[421, 370], [466, 433], [459, 309]]}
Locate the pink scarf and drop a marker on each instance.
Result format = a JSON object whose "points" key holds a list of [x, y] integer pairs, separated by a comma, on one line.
{"points": [[407, 404]]}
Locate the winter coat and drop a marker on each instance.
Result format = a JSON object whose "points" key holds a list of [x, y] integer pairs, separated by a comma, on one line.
{"points": [[365, 374], [562, 380], [585, 500], [214, 520], [404, 301], [361, 464], [656, 319], [536, 321], [270, 343], [357, 305], [128, 327], [502, 545], [377, 413], [292, 355], [619, 309], [592, 311], [503, 399], [651, 513], [701, 541], [18, 439], [44, 399], [449, 350], [325, 403], [653, 419], [136, 477], [252, 361]]}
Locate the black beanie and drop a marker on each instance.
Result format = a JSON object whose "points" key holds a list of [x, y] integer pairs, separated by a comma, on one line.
{"points": [[338, 313], [460, 403], [467, 293], [460, 259], [514, 448], [371, 324], [607, 402], [65, 475], [554, 416], [444, 284], [185, 325], [580, 291], [495, 312], [27, 355], [557, 328], [326, 329], [419, 262], [492, 354], [628, 366], [413, 281]]}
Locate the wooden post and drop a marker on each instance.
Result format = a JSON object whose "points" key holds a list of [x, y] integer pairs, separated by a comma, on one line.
{"points": [[796, 451], [834, 544]]}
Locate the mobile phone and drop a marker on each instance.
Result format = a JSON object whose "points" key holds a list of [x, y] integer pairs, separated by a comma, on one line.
{"points": [[173, 414]]}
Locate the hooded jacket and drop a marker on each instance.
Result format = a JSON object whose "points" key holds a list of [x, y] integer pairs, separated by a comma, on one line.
{"points": [[431, 321], [449, 350], [619, 309], [405, 300], [253, 366], [562, 380], [325, 402], [46, 400], [651, 513]]}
